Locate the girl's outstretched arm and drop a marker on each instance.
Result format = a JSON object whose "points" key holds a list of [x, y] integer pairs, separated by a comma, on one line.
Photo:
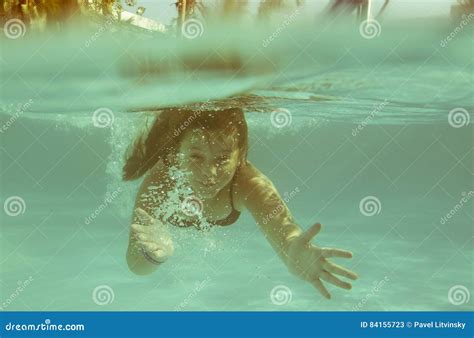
{"points": [[309, 262], [149, 242], [258, 194]]}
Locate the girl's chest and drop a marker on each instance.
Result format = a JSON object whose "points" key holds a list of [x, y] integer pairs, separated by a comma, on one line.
{"points": [[192, 208]]}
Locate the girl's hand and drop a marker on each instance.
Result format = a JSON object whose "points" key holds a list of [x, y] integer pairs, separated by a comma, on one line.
{"points": [[310, 262], [152, 238]]}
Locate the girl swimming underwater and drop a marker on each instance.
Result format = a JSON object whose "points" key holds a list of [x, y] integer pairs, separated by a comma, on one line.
{"points": [[208, 150]]}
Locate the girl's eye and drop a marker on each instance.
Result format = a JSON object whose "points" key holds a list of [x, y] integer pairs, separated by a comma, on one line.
{"points": [[224, 160]]}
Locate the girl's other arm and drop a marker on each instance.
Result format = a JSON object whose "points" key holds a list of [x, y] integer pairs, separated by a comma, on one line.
{"points": [[142, 232]]}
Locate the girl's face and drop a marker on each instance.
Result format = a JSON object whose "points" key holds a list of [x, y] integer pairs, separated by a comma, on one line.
{"points": [[211, 158]]}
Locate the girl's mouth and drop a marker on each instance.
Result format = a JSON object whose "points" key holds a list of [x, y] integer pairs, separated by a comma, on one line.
{"points": [[207, 184]]}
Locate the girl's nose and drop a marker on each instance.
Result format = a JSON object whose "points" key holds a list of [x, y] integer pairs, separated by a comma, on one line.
{"points": [[212, 171]]}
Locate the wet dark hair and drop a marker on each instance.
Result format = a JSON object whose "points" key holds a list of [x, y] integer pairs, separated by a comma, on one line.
{"points": [[170, 127]]}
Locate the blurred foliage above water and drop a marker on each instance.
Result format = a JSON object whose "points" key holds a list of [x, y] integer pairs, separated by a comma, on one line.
{"points": [[40, 14]]}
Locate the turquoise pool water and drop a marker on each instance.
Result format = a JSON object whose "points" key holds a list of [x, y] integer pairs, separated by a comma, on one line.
{"points": [[379, 149]]}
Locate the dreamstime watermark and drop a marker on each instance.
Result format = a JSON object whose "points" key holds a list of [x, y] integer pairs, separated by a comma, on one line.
{"points": [[377, 286], [19, 289], [287, 197], [103, 295], [14, 206], [107, 200], [46, 326], [110, 20], [20, 109], [366, 121], [370, 206], [458, 118], [14, 29], [192, 206], [197, 112], [192, 28], [370, 29], [459, 295], [464, 199], [281, 118], [288, 21], [464, 22], [197, 288], [103, 117], [281, 295]]}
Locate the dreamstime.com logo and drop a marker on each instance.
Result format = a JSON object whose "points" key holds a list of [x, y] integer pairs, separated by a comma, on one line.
{"points": [[368, 119], [108, 200], [458, 118], [106, 26], [192, 206], [103, 118], [281, 295], [287, 197], [46, 326], [196, 112], [370, 206], [459, 295], [281, 118], [370, 29], [14, 206], [464, 22], [192, 29], [19, 289], [464, 199], [14, 28], [199, 286], [377, 286], [288, 21], [20, 109], [103, 295]]}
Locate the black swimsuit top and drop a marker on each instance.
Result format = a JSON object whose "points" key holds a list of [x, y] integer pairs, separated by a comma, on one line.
{"points": [[230, 219]]}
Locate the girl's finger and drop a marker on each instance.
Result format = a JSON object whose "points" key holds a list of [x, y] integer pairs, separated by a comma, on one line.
{"points": [[144, 216], [334, 280], [159, 254], [142, 228], [329, 252], [339, 270], [321, 288], [145, 245], [144, 238], [309, 234], [150, 246]]}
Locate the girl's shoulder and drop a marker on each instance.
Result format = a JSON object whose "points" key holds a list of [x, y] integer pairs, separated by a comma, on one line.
{"points": [[248, 174], [248, 180]]}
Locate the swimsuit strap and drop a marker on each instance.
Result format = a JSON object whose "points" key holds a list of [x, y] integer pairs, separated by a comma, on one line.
{"points": [[234, 214], [230, 219]]}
